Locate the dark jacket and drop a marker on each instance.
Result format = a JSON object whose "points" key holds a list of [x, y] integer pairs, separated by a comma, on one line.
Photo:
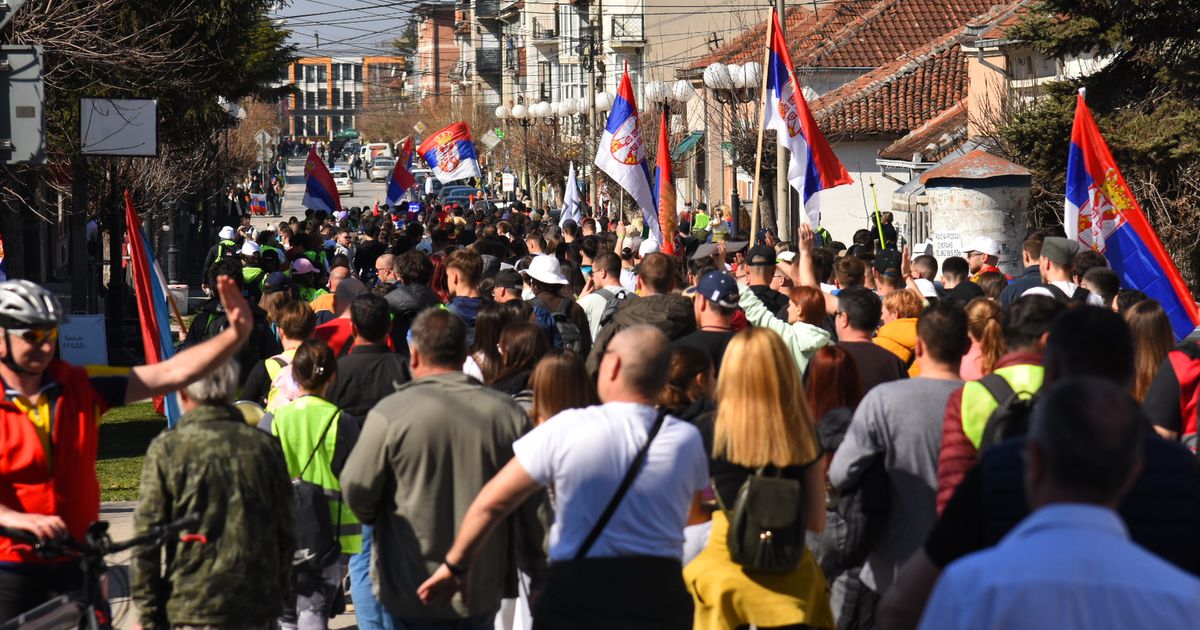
{"points": [[670, 313], [574, 312], [405, 302], [210, 320], [234, 476], [365, 376], [1032, 277]]}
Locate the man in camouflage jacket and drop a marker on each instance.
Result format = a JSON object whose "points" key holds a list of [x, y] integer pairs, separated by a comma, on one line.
{"points": [[234, 476]]}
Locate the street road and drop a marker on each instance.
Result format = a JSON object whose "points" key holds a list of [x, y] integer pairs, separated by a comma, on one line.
{"points": [[365, 194]]}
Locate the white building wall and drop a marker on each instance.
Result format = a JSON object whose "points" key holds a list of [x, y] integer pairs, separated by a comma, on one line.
{"points": [[848, 208]]}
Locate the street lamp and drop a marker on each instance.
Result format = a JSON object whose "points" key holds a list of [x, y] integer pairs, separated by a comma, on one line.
{"points": [[521, 114], [733, 85]]}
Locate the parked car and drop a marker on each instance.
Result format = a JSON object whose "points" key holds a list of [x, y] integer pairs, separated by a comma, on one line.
{"points": [[341, 178], [381, 169]]}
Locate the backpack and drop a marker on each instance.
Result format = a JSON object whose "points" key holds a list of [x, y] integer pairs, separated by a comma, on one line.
{"points": [[1011, 418], [317, 544], [766, 524], [613, 302], [1080, 296], [284, 388], [570, 337]]}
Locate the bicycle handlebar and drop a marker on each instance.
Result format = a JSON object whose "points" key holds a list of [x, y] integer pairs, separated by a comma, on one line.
{"points": [[158, 535]]}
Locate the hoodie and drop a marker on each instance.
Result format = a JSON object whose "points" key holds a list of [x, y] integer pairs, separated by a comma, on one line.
{"points": [[672, 314], [405, 302], [900, 338]]}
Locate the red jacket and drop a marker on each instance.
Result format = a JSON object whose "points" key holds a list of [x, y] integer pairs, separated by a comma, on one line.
{"points": [[27, 483], [958, 453]]}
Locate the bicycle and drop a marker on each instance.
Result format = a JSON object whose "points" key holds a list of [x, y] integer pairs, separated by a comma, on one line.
{"points": [[88, 609]]}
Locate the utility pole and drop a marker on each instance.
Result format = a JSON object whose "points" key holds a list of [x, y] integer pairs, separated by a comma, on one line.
{"points": [[595, 39], [783, 191]]}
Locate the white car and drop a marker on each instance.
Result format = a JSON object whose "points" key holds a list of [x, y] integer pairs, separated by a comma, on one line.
{"points": [[341, 178], [381, 169]]}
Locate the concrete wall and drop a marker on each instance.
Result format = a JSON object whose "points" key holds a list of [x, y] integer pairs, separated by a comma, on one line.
{"points": [[960, 210], [988, 89]]}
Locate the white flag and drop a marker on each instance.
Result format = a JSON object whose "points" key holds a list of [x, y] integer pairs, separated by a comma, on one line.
{"points": [[570, 209]]}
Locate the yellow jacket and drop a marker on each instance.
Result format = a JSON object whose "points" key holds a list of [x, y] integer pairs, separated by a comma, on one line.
{"points": [[900, 338]]}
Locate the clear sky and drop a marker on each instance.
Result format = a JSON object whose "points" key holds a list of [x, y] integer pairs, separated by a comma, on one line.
{"points": [[345, 27]]}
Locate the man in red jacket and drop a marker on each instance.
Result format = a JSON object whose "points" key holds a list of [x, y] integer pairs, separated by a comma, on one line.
{"points": [[49, 426], [970, 406]]}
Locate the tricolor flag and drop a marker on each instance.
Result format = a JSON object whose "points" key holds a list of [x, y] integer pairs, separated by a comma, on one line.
{"points": [[813, 166], [664, 190], [401, 180], [1102, 214], [451, 154], [570, 209], [320, 192], [621, 154], [150, 291], [258, 203]]}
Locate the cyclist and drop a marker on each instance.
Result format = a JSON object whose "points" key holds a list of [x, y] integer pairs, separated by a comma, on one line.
{"points": [[49, 425]]}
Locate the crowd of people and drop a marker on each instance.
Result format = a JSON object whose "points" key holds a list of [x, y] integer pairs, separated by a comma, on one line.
{"points": [[483, 418]]}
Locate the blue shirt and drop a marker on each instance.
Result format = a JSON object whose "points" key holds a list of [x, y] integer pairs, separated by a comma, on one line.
{"points": [[1065, 566]]}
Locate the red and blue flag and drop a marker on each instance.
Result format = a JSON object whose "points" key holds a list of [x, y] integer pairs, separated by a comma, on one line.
{"points": [[320, 191], [813, 166], [401, 180], [621, 154], [450, 153], [1102, 214], [664, 190], [150, 292], [258, 203]]}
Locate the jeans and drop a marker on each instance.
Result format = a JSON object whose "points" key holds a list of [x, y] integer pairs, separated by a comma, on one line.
{"points": [[485, 621], [370, 614]]}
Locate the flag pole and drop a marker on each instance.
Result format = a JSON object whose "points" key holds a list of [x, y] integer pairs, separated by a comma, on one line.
{"points": [[762, 121]]}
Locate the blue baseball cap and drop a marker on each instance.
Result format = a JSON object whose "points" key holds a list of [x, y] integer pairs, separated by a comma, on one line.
{"points": [[717, 287]]}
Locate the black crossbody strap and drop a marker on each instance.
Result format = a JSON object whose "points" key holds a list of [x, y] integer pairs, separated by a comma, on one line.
{"points": [[320, 441], [630, 475]]}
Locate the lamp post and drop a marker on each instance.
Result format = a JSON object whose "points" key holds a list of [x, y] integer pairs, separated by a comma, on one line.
{"points": [[733, 85], [521, 114]]}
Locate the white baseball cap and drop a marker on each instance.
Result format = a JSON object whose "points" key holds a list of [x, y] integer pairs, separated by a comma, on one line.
{"points": [[648, 246], [546, 269], [985, 245], [926, 287], [249, 248]]}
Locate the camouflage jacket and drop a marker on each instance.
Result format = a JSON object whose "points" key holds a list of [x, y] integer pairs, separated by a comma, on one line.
{"points": [[234, 476]]}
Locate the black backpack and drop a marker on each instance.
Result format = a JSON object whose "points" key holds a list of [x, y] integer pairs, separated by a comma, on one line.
{"points": [[1011, 418], [613, 302], [317, 545], [1080, 296], [766, 524], [568, 332]]}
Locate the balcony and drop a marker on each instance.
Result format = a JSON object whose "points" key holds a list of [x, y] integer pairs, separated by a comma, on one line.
{"points": [[488, 61], [487, 9], [628, 33], [545, 36]]}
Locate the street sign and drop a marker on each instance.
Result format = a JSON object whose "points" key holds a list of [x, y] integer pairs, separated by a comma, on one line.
{"points": [[419, 127], [490, 139], [508, 182], [262, 137], [22, 130], [499, 133]]}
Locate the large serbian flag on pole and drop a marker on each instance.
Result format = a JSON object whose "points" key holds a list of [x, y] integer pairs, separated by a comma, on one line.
{"points": [[320, 192], [401, 180], [813, 166], [150, 291], [451, 154], [1102, 214], [621, 154], [664, 190]]}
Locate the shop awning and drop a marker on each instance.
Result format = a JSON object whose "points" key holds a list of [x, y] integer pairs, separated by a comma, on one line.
{"points": [[688, 143]]}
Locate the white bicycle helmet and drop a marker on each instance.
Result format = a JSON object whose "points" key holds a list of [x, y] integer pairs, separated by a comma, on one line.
{"points": [[25, 304]]}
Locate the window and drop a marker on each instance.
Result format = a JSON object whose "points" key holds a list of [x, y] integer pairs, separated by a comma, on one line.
{"points": [[336, 71], [310, 74], [311, 100], [336, 123], [358, 70], [320, 74], [337, 98], [358, 97], [321, 96], [297, 125], [348, 100], [320, 125]]}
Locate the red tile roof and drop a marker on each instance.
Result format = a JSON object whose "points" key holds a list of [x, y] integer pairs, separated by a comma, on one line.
{"points": [[977, 164], [855, 33], [898, 97], [934, 140]]}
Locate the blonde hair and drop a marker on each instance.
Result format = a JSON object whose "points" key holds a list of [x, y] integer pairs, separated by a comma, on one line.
{"points": [[985, 322], [904, 304], [762, 413]]}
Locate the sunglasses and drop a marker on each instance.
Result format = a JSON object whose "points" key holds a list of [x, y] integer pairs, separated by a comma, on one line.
{"points": [[36, 336]]}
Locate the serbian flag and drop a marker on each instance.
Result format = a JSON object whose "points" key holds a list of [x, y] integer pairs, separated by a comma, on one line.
{"points": [[1102, 213], [258, 203], [451, 154], [150, 290], [813, 166], [664, 190], [320, 193], [621, 154], [401, 180]]}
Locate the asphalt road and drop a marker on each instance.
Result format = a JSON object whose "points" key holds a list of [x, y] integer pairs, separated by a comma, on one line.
{"points": [[366, 193]]}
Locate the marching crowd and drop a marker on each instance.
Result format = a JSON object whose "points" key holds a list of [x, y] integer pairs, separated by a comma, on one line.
{"points": [[480, 417]]}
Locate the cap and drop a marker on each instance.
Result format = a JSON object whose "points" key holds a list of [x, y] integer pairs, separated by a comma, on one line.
{"points": [[887, 259], [787, 257], [303, 266], [546, 269], [249, 248], [276, 281], [704, 250], [718, 287], [348, 290], [732, 247], [926, 287], [1059, 250], [983, 244], [508, 279], [491, 265], [761, 256], [227, 233], [648, 246]]}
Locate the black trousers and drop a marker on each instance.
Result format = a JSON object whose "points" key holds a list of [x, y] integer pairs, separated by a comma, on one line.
{"points": [[632, 593], [25, 588]]}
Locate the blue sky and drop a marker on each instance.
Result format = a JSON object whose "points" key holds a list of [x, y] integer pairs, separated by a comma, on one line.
{"points": [[344, 27]]}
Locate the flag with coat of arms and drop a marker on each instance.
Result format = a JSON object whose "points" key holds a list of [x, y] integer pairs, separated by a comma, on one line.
{"points": [[621, 154], [451, 154]]}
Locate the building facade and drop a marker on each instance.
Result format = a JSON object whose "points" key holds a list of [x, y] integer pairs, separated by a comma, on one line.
{"points": [[333, 91]]}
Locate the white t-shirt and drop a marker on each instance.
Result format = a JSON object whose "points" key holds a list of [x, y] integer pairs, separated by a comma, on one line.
{"points": [[585, 454], [593, 305], [1067, 287]]}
